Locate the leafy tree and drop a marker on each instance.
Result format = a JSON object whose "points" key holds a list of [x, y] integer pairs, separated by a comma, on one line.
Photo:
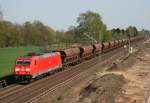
{"points": [[90, 23], [132, 31], [5, 33]]}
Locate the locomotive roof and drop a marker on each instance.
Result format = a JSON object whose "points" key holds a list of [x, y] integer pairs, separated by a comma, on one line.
{"points": [[41, 54]]}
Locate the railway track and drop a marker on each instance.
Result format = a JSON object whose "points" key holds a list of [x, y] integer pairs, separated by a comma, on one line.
{"points": [[9, 89], [32, 92]]}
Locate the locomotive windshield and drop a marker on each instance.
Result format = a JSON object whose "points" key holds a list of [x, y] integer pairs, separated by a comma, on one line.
{"points": [[23, 62]]}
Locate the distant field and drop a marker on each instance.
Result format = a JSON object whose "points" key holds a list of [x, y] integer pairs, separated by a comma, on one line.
{"points": [[8, 56]]}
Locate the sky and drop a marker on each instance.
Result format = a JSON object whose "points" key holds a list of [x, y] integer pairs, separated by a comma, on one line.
{"points": [[60, 14]]}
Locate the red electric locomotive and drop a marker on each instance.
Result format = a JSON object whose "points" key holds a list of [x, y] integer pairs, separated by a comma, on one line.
{"points": [[33, 66]]}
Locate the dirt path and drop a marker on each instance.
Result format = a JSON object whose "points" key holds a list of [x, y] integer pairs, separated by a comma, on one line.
{"points": [[137, 88]]}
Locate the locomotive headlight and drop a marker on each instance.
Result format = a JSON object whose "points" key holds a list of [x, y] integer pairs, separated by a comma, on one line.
{"points": [[27, 69], [17, 69]]}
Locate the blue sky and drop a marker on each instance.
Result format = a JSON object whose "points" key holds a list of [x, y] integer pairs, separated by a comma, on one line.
{"points": [[60, 14]]}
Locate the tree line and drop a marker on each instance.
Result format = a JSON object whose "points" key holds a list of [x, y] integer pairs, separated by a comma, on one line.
{"points": [[118, 33], [27, 34], [90, 29]]}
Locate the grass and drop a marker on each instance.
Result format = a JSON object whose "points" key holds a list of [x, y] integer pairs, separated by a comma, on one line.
{"points": [[8, 56]]}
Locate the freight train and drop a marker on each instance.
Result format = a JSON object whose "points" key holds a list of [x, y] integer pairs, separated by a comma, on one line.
{"points": [[39, 64]]}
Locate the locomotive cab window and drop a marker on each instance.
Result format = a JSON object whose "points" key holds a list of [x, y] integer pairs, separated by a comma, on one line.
{"points": [[19, 62], [26, 62], [23, 62]]}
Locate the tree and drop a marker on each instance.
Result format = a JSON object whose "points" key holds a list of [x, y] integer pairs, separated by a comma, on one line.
{"points": [[132, 31], [6, 33], [90, 23], [66, 36], [70, 34], [47, 33]]}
